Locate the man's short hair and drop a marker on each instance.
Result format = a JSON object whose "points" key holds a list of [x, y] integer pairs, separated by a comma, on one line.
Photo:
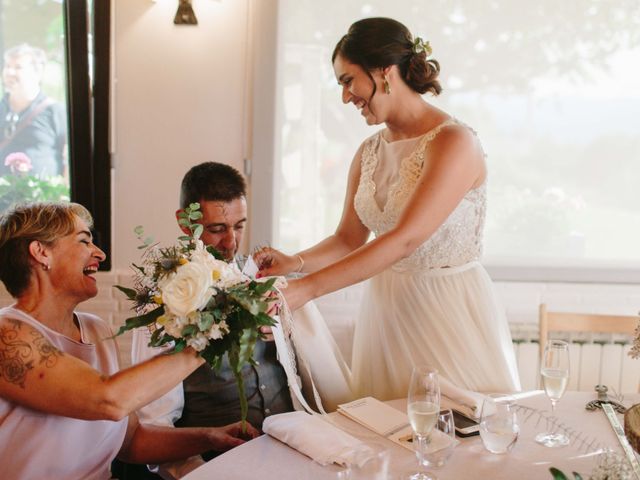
{"points": [[37, 55], [211, 181]]}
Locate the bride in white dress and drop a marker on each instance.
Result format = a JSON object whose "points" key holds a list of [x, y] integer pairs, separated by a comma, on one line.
{"points": [[420, 186]]}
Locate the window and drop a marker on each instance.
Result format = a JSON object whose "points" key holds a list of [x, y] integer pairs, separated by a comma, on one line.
{"points": [[54, 110], [553, 91]]}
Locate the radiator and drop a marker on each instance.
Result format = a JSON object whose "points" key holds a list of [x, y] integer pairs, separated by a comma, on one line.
{"points": [[594, 359]]}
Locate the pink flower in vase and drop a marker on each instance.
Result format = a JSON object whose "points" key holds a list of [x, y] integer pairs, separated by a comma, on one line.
{"points": [[18, 162]]}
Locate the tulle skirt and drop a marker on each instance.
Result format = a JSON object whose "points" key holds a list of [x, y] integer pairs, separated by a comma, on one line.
{"points": [[448, 318]]}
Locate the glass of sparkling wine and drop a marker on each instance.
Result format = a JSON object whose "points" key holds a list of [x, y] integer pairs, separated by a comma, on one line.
{"points": [[554, 369], [423, 406], [499, 427]]}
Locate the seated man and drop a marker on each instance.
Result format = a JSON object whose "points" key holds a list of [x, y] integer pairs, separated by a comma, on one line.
{"points": [[207, 397]]}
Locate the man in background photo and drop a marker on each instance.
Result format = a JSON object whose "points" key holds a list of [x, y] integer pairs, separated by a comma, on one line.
{"points": [[33, 126]]}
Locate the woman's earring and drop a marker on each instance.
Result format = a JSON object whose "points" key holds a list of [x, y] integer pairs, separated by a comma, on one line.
{"points": [[385, 83], [45, 266]]}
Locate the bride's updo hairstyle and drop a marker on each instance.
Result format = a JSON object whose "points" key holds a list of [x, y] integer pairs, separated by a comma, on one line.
{"points": [[380, 42]]}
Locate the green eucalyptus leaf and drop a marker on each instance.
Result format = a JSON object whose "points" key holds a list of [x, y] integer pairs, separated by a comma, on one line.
{"points": [[163, 340], [205, 322], [248, 341], [129, 292], [557, 474], [180, 345], [141, 321], [264, 319], [156, 336], [216, 254], [189, 330], [260, 288]]}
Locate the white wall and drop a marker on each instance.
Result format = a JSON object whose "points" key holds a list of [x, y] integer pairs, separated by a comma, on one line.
{"points": [[178, 101]]}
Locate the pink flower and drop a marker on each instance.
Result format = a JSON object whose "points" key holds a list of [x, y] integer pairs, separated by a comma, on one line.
{"points": [[18, 162]]}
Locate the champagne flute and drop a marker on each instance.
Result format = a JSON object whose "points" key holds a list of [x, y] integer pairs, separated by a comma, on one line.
{"points": [[554, 369], [423, 406]]}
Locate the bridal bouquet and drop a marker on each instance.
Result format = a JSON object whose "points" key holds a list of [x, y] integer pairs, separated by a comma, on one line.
{"points": [[187, 294]]}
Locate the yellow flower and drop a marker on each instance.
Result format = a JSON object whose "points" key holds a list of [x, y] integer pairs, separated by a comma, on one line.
{"points": [[157, 299], [162, 320], [215, 274], [183, 261]]}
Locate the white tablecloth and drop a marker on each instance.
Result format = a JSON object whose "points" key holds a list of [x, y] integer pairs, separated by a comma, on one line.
{"points": [[268, 459]]}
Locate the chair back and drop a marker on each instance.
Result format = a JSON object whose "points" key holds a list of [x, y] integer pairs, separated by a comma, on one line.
{"points": [[583, 322]]}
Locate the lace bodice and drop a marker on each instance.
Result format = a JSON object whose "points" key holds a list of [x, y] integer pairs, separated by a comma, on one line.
{"points": [[457, 241]]}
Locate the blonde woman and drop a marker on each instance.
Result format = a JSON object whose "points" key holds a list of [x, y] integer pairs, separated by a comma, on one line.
{"points": [[65, 407]]}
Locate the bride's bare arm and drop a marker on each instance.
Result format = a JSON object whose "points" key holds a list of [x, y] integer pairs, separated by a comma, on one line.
{"points": [[350, 235], [456, 164]]}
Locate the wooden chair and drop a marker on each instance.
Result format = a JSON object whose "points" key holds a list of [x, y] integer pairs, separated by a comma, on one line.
{"points": [[583, 322]]}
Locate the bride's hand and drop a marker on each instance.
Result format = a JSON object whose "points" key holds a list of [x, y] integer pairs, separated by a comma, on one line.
{"points": [[296, 294], [272, 262]]}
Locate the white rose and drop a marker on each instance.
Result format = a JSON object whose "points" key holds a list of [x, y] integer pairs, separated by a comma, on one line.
{"points": [[218, 330], [188, 289], [228, 275], [199, 342], [173, 326], [202, 256], [225, 274]]}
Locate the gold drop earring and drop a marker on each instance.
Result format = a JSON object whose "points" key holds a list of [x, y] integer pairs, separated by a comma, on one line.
{"points": [[385, 83]]}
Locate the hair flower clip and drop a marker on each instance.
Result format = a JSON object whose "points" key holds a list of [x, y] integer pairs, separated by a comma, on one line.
{"points": [[419, 46]]}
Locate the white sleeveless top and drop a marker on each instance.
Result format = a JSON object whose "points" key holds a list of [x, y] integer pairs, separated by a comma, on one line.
{"points": [[37, 445], [456, 242]]}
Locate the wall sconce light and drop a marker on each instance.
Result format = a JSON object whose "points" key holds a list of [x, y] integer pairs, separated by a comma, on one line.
{"points": [[185, 14]]}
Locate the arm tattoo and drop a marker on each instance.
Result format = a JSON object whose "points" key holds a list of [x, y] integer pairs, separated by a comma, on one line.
{"points": [[17, 356], [48, 353]]}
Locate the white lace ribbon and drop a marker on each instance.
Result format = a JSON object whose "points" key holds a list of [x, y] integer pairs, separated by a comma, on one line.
{"points": [[283, 334]]}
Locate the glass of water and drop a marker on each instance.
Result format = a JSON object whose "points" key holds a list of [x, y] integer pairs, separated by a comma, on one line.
{"points": [[444, 424], [554, 369], [370, 463], [499, 423]]}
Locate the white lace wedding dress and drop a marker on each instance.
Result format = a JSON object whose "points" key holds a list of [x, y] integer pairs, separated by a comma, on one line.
{"points": [[434, 307]]}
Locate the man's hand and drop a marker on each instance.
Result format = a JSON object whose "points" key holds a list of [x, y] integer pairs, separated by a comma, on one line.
{"points": [[275, 305]]}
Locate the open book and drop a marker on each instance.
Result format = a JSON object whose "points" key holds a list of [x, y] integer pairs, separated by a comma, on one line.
{"points": [[389, 423]]}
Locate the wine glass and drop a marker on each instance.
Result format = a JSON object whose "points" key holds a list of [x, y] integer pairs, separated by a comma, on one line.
{"points": [[423, 406], [554, 369]]}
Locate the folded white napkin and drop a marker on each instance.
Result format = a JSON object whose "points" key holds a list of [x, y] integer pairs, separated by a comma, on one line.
{"points": [[314, 437], [465, 401]]}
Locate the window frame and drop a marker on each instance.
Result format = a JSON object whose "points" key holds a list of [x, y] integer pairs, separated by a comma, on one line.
{"points": [[88, 114]]}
